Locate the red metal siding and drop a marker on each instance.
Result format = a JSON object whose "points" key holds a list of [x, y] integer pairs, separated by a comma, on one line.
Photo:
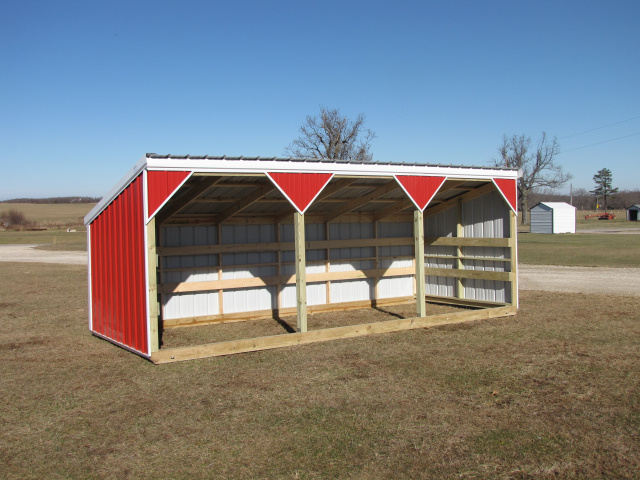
{"points": [[421, 189], [300, 188], [509, 191], [161, 185], [118, 282]]}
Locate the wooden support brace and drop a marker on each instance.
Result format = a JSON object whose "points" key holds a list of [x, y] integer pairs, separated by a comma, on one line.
{"points": [[513, 252], [459, 262], [152, 272], [418, 237], [301, 274]]}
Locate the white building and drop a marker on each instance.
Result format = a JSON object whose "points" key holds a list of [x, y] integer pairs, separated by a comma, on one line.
{"points": [[553, 217]]}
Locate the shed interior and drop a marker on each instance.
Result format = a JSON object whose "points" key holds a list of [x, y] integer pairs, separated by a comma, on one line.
{"points": [[232, 248]]}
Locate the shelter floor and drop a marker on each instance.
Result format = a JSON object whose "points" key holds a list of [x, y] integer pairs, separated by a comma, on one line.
{"points": [[221, 332]]}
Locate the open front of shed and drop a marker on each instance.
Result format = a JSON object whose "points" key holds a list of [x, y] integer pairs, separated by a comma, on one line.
{"points": [[195, 240]]}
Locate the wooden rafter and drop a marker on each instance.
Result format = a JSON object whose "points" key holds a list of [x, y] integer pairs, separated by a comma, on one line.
{"points": [[476, 192], [194, 192], [359, 201], [247, 200], [397, 207]]}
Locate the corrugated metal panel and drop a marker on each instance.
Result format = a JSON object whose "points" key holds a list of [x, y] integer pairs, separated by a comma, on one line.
{"points": [[541, 218], [486, 217], [160, 186], [118, 271], [300, 188]]}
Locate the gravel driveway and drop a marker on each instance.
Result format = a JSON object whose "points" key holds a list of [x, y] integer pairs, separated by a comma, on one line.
{"points": [[29, 253], [613, 281]]}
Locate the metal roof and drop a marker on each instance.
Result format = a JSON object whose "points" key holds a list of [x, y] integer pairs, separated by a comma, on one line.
{"points": [[319, 160], [235, 169]]}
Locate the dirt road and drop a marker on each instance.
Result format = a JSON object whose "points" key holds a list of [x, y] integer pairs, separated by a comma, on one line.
{"points": [[29, 253], [614, 281]]}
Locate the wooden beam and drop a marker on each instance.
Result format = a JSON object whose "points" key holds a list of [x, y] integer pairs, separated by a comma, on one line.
{"points": [[247, 200], [513, 252], [393, 209], [459, 234], [235, 199], [322, 244], [301, 338], [301, 273], [464, 302], [359, 201], [475, 274], [418, 238], [152, 272], [281, 312], [183, 201], [476, 192], [255, 282]]}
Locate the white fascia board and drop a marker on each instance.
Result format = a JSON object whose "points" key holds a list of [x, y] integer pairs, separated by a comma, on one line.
{"points": [[115, 191], [231, 167]]}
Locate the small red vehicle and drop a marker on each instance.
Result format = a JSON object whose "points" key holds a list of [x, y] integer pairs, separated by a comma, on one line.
{"points": [[601, 216]]}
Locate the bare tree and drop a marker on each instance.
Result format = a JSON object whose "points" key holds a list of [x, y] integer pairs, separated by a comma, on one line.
{"points": [[537, 166], [334, 137]]}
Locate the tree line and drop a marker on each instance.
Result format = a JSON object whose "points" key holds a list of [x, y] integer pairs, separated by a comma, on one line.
{"points": [[583, 199]]}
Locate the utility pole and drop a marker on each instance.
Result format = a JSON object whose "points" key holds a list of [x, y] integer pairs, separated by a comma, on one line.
{"points": [[571, 201]]}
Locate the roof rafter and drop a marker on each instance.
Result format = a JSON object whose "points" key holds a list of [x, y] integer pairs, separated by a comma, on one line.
{"points": [[247, 200], [195, 190], [356, 202], [397, 207]]}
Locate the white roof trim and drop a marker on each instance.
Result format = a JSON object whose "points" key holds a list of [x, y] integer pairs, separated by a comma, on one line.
{"points": [[115, 191], [262, 167], [361, 170]]}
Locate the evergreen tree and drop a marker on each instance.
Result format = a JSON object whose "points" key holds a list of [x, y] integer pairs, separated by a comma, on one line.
{"points": [[603, 188]]}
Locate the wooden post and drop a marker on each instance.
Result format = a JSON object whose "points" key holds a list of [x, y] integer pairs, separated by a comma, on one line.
{"points": [[152, 273], [278, 270], [220, 292], [376, 264], [301, 274], [418, 237], [327, 263], [459, 263], [513, 252]]}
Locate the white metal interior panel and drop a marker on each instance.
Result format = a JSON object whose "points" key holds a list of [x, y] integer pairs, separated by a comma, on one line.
{"points": [[486, 217], [392, 287], [395, 229], [352, 290], [443, 224], [316, 295], [189, 305]]}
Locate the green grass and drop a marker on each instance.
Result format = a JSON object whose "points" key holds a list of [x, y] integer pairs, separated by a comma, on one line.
{"points": [[620, 222], [551, 393], [51, 215], [579, 250], [54, 239]]}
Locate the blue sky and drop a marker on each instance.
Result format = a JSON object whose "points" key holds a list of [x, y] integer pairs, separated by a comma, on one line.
{"points": [[88, 87]]}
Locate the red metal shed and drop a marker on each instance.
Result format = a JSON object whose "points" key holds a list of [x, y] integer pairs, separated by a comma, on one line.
{"points": [[166, 246]]}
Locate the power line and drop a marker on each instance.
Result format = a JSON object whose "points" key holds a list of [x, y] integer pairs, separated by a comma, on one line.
{"points": [[599, 143], [599, 128]]}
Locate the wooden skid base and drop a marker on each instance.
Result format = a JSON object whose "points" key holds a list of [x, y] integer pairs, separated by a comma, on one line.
{"points": [[286, 340]]}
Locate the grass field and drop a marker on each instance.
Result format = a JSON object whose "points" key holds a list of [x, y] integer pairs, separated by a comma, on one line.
{"points": [[55, 215], [551, 393], [588, 250]]}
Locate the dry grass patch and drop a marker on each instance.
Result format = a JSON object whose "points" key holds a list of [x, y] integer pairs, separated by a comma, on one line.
{"points": [[551, 393]]}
